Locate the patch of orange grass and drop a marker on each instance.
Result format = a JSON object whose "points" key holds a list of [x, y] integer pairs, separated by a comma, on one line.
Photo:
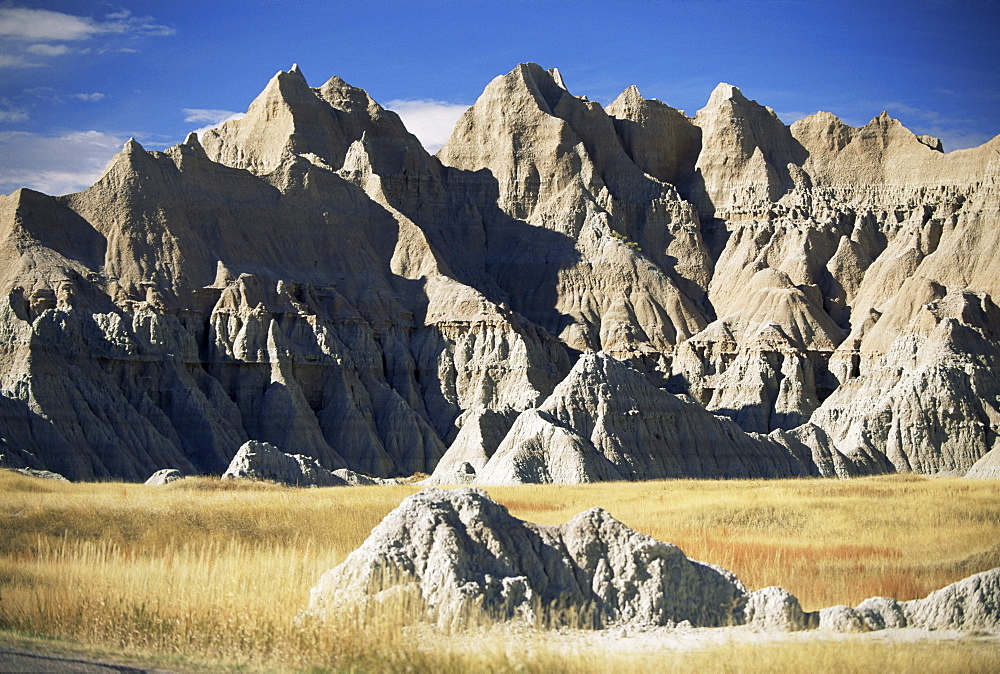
{"points": [[822, 575], [523, 506], [827, 541]]}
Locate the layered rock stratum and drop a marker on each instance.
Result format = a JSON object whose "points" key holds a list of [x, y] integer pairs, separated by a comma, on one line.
{"points": [[565, 293], [458, 559]]}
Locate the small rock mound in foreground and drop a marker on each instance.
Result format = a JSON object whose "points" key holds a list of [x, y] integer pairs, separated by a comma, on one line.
{"points": [[458, 559], [164, 476], [41, 474], [263, 461]]}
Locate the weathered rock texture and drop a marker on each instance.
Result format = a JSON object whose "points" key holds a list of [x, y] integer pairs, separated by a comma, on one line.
{"points": [[988, 467], [968, 605], [308, 276], [456, 558], [165, 476], [264, 461], [606, 421], [41, 474]]}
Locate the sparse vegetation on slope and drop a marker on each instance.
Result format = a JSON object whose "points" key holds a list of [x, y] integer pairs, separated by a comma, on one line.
{"points": [[217, 571]]}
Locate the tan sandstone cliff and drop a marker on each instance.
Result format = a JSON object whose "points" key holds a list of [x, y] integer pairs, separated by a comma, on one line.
{"points": [[564, 293]]}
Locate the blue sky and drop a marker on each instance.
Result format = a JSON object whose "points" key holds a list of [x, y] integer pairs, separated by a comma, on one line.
{"points": [[78, 78]]}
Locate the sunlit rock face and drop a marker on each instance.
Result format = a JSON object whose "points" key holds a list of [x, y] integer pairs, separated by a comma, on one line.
{"points": [[458, 559], [561, 282]]}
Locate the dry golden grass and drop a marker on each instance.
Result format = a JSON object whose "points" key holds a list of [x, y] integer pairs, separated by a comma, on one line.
{"points": [[827, 542], [212, 574]]}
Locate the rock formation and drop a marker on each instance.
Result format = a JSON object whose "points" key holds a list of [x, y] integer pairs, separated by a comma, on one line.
{"points": [[40, 474], [165, 476], [263, 461], [606, 421], [987, 468], [456, 559], [309, 276]]}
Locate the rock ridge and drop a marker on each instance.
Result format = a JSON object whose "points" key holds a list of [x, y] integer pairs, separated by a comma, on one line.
{"points": [[457, 559], [309, 276]]}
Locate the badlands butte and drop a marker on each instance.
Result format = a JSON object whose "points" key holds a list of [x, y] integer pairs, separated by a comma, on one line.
{"points": [[563, 293]]}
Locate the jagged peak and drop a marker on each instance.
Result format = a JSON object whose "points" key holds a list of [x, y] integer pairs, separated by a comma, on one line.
{"points": [[541, 83], [598, 363], [631, 102], [933, 142], [557, 77], [725, 92], [191, 147], [883, 119], [885, 126], [529, 68], [822, 117], [346, 97], [133, 159], [357, 158], [290, 88], [337, 83], [628, 98], [821, 124], [284, 82], [532, 72], [25, 195], [293, 73]]}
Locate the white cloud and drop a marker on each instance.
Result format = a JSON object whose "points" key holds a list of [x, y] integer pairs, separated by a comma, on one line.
{"points": [[429, 120], [15, 61], [90, 98], [13, 115], [199, 115], [22, 23], [43, 27], [928, 116], [955, 133], [48, 49], [213, 117], [54, 164], [124, 22], [790, 117]]}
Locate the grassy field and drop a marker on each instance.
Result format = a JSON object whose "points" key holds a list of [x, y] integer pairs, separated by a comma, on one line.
{"points": [[205, 574]]}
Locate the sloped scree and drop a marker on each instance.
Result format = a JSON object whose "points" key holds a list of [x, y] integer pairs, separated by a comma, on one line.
{"points": [[458, 559]]}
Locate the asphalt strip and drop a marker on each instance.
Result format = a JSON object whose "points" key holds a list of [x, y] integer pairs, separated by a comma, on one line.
{"points": [[20, 660]]}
